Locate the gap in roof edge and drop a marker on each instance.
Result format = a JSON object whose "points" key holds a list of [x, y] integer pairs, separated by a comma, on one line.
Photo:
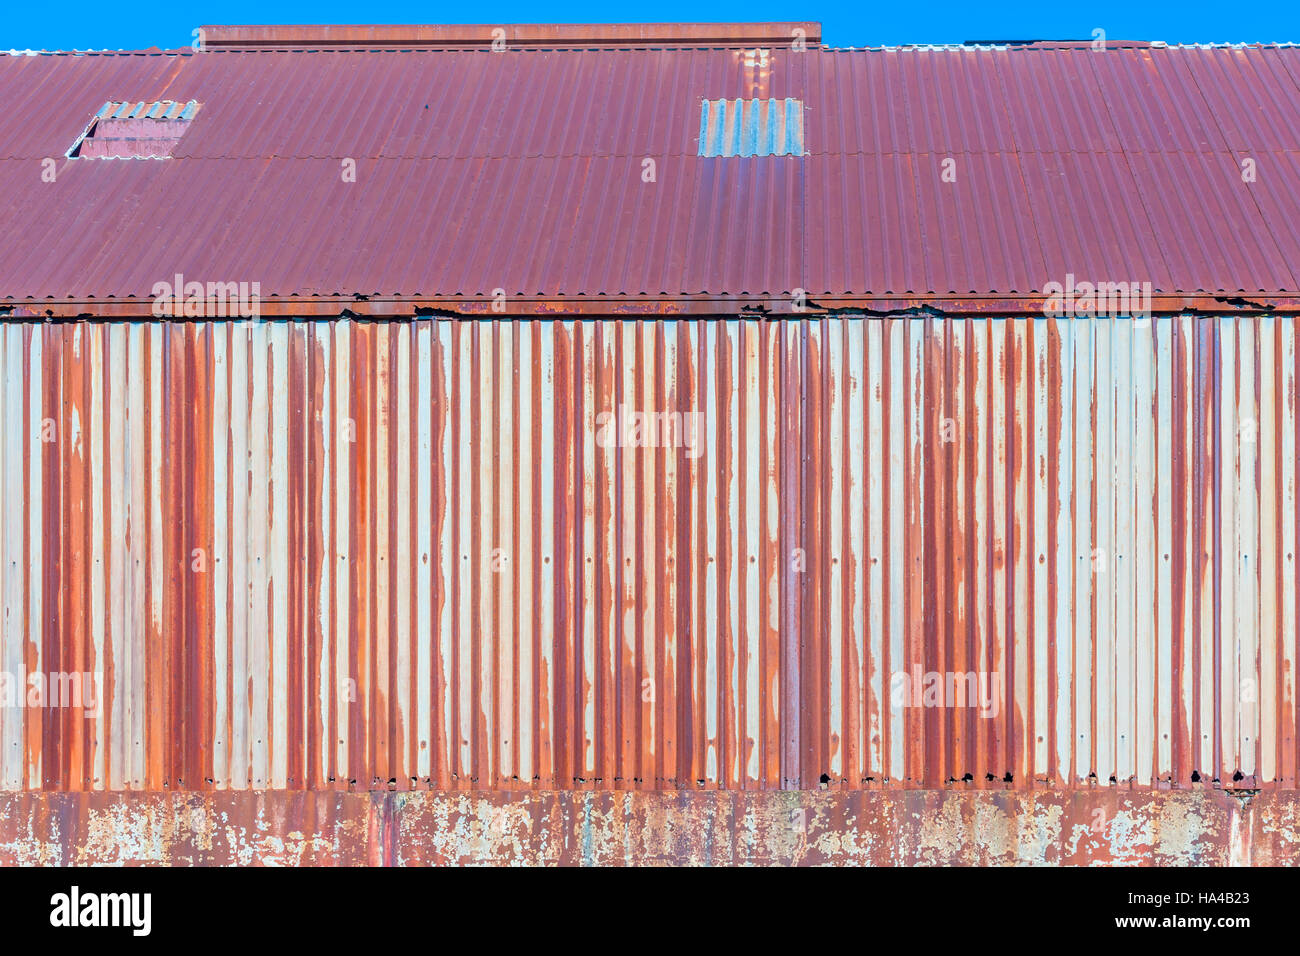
{"points": [[135, 129]]}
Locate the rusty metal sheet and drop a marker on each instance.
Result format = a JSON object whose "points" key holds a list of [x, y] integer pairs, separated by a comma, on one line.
{"points": [[457, 554], [479, 36], [524, 171], [565, 828]]}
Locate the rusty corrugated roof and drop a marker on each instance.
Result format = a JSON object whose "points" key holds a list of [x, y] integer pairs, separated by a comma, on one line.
{"points": [[524, 171]]}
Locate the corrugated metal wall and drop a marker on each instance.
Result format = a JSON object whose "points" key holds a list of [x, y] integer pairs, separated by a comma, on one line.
{"points": [[232, 522]]}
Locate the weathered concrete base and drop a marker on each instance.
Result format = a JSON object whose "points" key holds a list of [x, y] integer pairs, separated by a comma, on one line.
{"points": [[871, 828]]}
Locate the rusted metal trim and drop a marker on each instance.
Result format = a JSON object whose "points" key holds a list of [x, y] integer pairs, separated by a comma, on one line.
{"points": [[334, 306], [469, 36]]}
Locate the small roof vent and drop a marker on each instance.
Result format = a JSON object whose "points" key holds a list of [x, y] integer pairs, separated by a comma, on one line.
{"points": [[751, 128], [135, 130]]}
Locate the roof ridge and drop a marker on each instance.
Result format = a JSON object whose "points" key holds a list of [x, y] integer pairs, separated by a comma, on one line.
{"points": [[1008, 46]]}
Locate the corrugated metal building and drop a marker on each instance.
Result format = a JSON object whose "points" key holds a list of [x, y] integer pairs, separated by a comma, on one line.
{"points": [[650, 408]]}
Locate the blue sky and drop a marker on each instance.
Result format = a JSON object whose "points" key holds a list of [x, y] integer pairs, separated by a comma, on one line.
{"points": [[135, 24]]}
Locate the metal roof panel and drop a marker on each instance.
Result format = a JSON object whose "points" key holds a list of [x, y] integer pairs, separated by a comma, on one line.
{"points": [[523, 170]]}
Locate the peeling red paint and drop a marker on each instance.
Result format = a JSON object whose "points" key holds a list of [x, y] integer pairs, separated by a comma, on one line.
{"points": [[572, 828]]}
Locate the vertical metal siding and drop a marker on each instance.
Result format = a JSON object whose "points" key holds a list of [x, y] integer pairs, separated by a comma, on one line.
{"points": [[237, 524]]}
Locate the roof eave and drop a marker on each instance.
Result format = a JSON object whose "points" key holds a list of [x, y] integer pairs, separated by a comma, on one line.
{"points": [[383, 307]]}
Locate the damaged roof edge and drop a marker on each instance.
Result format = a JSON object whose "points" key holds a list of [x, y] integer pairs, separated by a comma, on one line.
{"points": [[387, 306]]}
